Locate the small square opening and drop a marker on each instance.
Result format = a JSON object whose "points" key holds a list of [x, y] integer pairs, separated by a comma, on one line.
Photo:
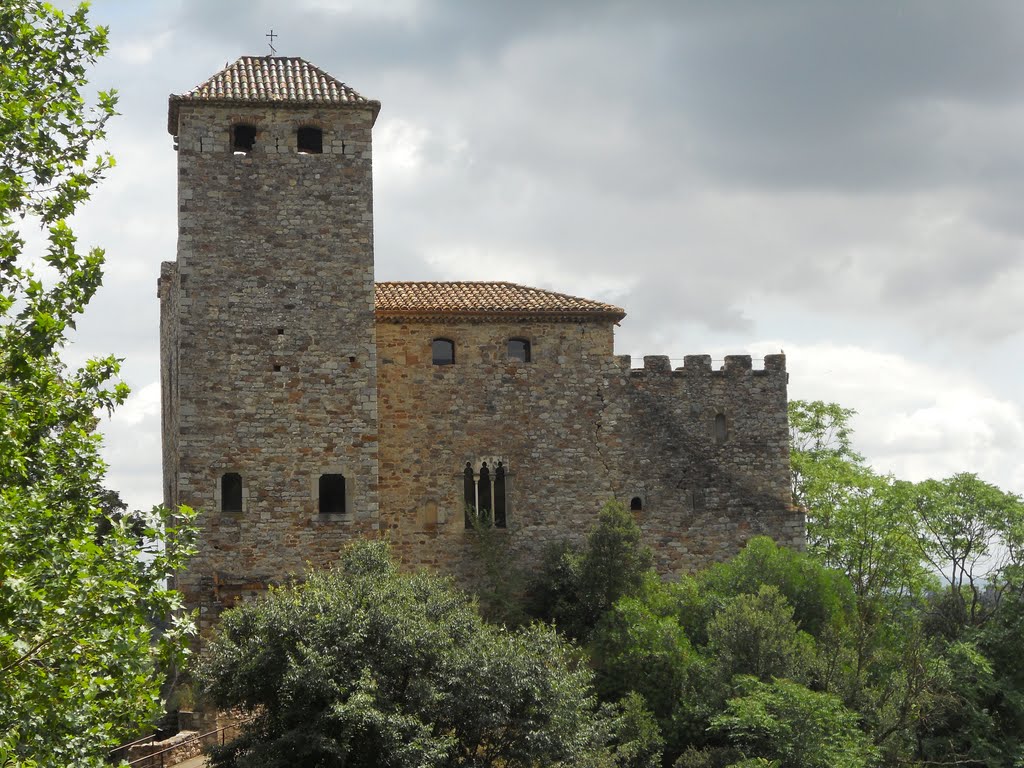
{"points": [[243, 138], [310, 140]]}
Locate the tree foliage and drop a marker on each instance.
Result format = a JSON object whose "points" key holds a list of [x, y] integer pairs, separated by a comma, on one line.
{"points": [[78, 587], [972, 534], [364, 666], [755, 635], [933, 565], [576, 586], [783, 721]]}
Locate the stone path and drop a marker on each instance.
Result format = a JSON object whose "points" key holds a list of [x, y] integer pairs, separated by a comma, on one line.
{"points": [[199, 761]]}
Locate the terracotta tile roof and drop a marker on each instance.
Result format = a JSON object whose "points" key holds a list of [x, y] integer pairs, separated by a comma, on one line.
{"points": [[270, 79], [437, 300]]}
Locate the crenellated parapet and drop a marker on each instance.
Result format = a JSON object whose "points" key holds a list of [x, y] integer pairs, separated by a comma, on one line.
{"points": [[705, 452], [701, 365]]}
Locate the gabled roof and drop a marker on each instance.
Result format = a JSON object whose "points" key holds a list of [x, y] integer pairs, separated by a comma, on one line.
{"points": [[268, 80], [435, 300]]}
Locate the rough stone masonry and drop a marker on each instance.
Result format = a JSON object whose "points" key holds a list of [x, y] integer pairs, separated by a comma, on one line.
{"points": [[304, 405]]}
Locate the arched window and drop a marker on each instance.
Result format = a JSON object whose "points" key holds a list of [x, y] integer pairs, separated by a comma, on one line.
{"points": [[469, 493], [243, 138], [721, 429], [231, 492], [483, 495], [483, 492], [443, 351], [636, 504], [332, 494], [519, 349], [310, 140]]}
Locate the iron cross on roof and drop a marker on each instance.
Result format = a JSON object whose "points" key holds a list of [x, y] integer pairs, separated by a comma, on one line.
{"points": [[273, 50]]}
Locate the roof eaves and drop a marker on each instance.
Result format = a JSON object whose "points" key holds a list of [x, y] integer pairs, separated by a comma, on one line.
{"points": [[614, 315], [175, 101]]}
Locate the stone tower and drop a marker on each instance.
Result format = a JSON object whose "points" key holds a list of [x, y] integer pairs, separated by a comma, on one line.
{"points": [[268, 345]]}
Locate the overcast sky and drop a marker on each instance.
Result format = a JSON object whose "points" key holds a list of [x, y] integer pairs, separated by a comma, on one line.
{"points": [[841, 180]]}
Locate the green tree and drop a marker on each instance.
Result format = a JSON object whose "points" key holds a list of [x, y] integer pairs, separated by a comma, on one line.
{"points": [[576, 587], [78, 587], [821, 451], [784, 721], [755, 635], [865, 526], [364, 666], [857, 521], [820, 596], [978, 715], [972, 533], [640, 646], [635, 735]]}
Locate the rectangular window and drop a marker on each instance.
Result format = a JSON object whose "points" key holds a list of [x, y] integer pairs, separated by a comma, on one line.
{"points": [[332, 494], [310, 140], [231, 492], [243, 138]]}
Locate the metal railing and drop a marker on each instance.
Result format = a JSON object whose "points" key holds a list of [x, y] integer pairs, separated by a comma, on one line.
{"points": [[115, 752], [154, 759]]}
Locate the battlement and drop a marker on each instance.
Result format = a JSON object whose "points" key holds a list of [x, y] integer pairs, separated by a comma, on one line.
{"points": [[701, 365]]}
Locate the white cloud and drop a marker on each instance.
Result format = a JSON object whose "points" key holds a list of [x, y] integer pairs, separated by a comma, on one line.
{"points": [[399, 151], [131, 448], [142, 50], [914, 420]]}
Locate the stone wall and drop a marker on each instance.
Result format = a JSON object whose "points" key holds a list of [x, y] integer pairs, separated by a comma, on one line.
{"points": [[707, 452], [268, 343], [574, 428]]}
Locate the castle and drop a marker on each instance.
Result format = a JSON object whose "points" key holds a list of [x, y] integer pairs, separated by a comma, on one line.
{"points": [[305, 405]]}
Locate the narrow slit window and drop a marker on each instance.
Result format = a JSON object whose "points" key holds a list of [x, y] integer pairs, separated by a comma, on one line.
{"points": [[332, 494], [721, 428], [243, 138], [499, 496], [310, 141], [231, 492], [636, 504], [519, 349], [483, 496], [443, 351], [469, 493]]}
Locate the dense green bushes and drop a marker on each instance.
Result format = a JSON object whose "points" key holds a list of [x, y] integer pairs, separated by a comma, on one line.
{"points": [[364, 666]]}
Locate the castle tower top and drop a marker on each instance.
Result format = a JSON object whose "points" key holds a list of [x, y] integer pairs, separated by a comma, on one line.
{"points": [[270, 80]]}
